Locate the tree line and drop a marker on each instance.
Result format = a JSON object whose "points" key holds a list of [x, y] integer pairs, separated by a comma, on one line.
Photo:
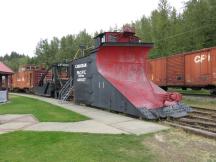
{"points": [[171, 32], [49, 52], [15, 60], [61, 49]]}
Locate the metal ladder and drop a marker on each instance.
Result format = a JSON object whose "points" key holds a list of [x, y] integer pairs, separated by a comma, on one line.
{"points": [[66, 90]]}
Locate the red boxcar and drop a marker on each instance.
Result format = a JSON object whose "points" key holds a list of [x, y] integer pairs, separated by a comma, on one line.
{"points": [[157, 68], [196, 69], [28, 77]]}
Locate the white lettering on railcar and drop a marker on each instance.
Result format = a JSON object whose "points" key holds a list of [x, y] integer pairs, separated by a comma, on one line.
{"points": [[80, 65], [200, 58], [81, 79], [81, 76], [81, 72]]}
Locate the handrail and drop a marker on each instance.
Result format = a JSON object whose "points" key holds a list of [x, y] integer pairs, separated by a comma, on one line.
{"points": [[67, 85], [76, 54]]}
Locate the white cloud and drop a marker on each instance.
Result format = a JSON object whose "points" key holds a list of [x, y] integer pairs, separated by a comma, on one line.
{"points": [[24, 22]]}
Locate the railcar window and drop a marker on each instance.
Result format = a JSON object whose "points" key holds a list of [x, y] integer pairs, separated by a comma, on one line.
{"points": [[97, 42], [103, 39], [112, 38]]}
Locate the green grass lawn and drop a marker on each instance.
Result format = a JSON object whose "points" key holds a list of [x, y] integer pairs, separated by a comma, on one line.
{"points": [[27, 146], [200, 102], [196, 101], [166, 146], [43, 111], [189, 91], [72, 147]]}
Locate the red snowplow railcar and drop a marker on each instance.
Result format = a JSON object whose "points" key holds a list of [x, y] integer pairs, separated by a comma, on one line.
{"points": [[113, 76]]}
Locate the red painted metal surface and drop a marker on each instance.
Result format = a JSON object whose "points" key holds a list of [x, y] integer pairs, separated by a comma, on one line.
{"points": [[4, 69], [125, 68]]}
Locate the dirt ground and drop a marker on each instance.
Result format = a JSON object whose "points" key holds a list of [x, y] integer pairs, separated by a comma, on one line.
{"points": [[175, 145]]}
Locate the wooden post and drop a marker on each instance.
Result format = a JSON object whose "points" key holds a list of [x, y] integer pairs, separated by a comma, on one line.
{"points": [[6, 85], [0, 82]]}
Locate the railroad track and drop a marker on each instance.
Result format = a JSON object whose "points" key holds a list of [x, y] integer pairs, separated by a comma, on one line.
{"points": [[201, 121]]}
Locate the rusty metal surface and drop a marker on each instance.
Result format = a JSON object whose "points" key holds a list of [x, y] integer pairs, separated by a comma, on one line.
{"points": [[198, 68], [27, 79], [191, 69], [175, 70], [22, 80], [213, 65], [157, 71]]}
